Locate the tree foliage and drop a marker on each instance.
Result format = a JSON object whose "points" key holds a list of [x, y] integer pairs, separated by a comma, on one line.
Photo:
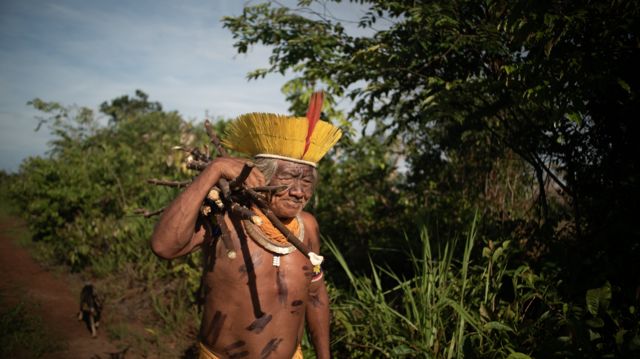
{"points": [[463, 85], [82, 197]]}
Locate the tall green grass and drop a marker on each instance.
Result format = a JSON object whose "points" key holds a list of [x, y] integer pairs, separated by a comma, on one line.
{"points": [[438, 312]]}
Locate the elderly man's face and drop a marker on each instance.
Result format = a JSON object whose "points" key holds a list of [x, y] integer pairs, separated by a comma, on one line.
{"points": [[301, 182]]}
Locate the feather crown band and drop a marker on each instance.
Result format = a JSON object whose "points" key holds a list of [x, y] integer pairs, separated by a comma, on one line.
{"points": [[299, 139]]}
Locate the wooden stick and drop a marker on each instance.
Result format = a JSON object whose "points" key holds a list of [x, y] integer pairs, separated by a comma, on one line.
{"points": [[272, 189], [225, 188], [146, 213], [226, 238], [226, 192], [264, 206], [205, 210], [197, 165], [245, 213], [168, 183], [199, 155], [206, 151], [214, 139], [195, 152], [238, 182], [214, 195]]}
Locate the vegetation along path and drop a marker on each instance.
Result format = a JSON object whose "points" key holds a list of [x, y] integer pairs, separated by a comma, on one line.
{"points": [[51, 299]]}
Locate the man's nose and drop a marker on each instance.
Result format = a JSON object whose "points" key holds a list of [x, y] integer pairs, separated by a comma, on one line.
{"points": [[296, 189]]}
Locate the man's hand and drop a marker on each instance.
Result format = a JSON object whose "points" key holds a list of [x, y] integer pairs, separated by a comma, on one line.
{"points": [[230, 168], [177, 232]]}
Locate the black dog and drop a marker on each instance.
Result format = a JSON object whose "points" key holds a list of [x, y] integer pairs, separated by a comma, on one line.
{"points": [[90, 308]]}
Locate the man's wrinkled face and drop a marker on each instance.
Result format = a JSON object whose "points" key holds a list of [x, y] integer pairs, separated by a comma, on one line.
{"points": [[300, 180]]}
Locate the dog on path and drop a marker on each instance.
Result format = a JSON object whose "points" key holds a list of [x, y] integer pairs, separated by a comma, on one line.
{"points": [[90, 308]]}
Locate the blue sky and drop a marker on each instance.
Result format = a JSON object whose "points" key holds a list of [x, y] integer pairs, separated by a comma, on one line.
{"points": [[80, 52]]}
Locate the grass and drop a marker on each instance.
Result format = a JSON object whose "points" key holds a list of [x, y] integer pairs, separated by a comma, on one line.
{"points": [[22, 334], [433, 313]]}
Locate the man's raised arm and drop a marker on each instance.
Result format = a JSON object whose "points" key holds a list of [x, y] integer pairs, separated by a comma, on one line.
{"points": [[176, 233]]}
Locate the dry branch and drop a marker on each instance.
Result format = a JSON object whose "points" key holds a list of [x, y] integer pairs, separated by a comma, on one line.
{"points": [[214, 195], [244, 174], [270, 189], [197, 165], [225, 235], [245, 213], [146, 213], [214, 139], [195, 153], [168, 183]]}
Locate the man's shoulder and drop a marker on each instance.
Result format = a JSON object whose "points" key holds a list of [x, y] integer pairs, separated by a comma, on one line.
{"points": [[306, 215], [309, 219]]}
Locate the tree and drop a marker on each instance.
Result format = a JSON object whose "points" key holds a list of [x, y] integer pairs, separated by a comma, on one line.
{"points": [[81, 197], [463, 84], [125, 107]]}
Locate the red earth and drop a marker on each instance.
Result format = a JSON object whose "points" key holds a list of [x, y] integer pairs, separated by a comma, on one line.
{"points": [[56, 297]]}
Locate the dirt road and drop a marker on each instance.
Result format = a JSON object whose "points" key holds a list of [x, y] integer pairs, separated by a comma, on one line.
{"points": [[56, 295]]}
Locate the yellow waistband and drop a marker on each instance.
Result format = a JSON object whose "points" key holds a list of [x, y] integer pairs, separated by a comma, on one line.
{"points": [[205, 353]]}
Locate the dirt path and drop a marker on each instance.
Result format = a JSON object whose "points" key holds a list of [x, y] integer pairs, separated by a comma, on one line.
{"points": [[56, 296]]}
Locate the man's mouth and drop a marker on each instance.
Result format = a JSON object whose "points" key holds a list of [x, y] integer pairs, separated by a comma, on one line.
{"points": [[293, 203]]}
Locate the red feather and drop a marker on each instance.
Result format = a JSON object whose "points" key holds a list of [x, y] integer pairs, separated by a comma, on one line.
{"points": [[313, 116]]}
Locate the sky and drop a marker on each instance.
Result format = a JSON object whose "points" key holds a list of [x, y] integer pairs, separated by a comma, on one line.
{"points": [[79, 52]]}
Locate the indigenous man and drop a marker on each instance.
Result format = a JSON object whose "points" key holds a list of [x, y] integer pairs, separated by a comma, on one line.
{"points": [[256, 304]]}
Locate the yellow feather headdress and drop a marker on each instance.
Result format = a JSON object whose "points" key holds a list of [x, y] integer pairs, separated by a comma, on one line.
{"points": [[299, 139]]}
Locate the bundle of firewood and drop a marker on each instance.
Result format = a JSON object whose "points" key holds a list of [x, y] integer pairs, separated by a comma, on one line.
{"points": [[231, 198]]}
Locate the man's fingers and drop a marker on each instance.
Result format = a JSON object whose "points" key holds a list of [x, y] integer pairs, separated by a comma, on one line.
{"points": [[256, 179], [232, 167]]}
